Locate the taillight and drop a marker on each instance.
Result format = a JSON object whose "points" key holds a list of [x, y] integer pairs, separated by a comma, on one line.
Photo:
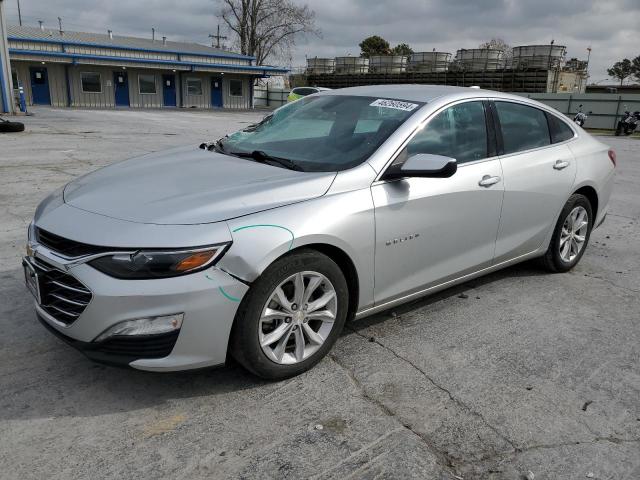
{"points": [[612, 157]]}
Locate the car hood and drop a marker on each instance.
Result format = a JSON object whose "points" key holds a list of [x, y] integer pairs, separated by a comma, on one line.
{"points": [[189, 185]]}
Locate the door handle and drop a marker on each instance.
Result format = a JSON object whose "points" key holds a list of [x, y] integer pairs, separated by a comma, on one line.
{"points": [[560, 164], [488, 180]]}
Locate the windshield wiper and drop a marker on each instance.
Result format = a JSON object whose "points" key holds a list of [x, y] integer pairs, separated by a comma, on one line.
{"points": [[217, 146], [262, 157]]}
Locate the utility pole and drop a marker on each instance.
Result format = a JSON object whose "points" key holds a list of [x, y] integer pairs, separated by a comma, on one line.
{"points": [[60, 25], [19, 14], [218, 37], [6, 82]]}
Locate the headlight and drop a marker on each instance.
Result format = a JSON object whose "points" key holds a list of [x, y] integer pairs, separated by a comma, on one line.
{"points": [[148, 264]]}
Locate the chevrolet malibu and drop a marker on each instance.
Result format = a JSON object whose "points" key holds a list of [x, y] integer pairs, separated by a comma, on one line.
{"points": [[343, 204]]}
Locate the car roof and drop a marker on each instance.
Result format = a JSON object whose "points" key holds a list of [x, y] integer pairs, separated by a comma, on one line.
{"points": [[420, 93]]}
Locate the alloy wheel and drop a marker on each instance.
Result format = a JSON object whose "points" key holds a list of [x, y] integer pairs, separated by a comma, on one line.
{"points": [[297, 318], [573, 234]]}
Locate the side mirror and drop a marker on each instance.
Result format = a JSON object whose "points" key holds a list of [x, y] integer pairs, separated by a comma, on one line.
{"points": [[424, 165]]}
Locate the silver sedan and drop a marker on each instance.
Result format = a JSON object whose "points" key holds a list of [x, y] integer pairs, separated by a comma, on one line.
{"points": [[342, 204]]}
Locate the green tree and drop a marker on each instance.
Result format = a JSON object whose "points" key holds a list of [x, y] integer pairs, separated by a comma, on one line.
{"points": [[635, 66], [374, 45], [621, 70], [402, 49]]}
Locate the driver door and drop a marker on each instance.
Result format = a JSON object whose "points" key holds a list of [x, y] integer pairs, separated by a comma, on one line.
{"points": [[431, 230]]}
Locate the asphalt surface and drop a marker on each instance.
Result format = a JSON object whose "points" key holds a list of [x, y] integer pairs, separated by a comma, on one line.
{"points": [[520, 371]]}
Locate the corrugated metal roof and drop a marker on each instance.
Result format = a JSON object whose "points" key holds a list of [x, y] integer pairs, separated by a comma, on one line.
{"points": [[30, 33]]}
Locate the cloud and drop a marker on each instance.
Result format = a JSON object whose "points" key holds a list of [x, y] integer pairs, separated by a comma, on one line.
{"points": [[609, 27]]}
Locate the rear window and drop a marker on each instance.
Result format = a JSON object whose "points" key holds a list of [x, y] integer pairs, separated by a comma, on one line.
{"points": [[523, 127], [304, 91], [559, 130]]}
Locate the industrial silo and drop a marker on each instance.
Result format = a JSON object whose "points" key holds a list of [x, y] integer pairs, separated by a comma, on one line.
{"points": [[537, 57], [429, 62], [388, 63], [318, 65], [348, 65], [479, 59]]}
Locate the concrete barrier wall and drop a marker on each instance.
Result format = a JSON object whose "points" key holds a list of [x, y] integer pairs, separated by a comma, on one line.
{"points": [[606, 107]]}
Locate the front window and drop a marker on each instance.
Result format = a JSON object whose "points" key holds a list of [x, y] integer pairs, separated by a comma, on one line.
{"points": [[235, 88], [194, 86], [147, 84], [458, 132], [326, 133], [91, 82]]}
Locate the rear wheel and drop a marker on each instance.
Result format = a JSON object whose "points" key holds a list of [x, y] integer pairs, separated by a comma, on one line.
{"points": [[570, 236], [291, 316]]}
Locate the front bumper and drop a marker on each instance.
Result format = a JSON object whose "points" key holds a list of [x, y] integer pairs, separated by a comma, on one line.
{"points": [[208, 300]]}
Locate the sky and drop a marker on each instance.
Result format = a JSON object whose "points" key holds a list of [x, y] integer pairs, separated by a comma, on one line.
{"points": [[610, 27]]}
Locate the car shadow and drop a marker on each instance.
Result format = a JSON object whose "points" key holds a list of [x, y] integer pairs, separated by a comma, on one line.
{"points": [[42, 377], [525, 269]]}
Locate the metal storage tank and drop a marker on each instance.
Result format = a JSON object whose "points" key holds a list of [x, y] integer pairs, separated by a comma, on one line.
{"points": [[480, 59], [317, 65], [537, 57], [388, 63], [429, 61], [345, 65]]}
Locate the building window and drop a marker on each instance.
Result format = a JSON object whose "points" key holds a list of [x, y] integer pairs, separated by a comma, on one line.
{"points": [[91, 82], [235, 88], [194, 86], [147, 84]]}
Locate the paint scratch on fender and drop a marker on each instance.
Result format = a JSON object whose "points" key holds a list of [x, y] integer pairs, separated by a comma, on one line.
{"points": [[268, 225], [224, 294]]}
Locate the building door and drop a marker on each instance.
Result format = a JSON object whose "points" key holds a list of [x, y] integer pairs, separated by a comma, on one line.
{"points": [[169, 90], [121, 89], [216, 92], [40, 86]]}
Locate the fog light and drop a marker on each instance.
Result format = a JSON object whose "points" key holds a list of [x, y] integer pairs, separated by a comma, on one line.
{"points": [[143, 326]]}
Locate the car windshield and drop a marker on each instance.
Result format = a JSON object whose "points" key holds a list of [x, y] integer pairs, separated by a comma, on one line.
{"points": [[323, 133]]}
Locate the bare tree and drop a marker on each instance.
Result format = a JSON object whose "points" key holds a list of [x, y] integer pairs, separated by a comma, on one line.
{"points": [[498, 43], [267, 28]]}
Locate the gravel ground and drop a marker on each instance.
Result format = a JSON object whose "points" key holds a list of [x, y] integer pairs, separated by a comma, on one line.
{"points": [[518, 371]]}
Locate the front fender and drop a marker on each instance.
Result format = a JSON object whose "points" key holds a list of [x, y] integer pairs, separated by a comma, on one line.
{"points": [[344, 221]]}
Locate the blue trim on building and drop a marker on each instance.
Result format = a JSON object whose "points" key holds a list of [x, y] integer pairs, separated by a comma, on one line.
{"points": [[5, 101], [77, 57], [123, 47]]}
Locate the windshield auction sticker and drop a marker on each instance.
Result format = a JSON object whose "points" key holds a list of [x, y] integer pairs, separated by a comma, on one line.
{"points": [[397, 104]]}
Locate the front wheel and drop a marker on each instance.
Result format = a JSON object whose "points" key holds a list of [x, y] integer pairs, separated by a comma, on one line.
{"points": [[570, 236], [291, 316]]}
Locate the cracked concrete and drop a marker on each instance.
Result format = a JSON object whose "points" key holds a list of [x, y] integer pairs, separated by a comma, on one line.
{"points": [[485, 385]]}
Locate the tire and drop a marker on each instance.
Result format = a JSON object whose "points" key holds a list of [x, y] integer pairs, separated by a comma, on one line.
{"points": [[248, 329], [554, 260], [8, 127]]}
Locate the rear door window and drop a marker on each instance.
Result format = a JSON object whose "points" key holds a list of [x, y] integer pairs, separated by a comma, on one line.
{"points": [[523, 127]]}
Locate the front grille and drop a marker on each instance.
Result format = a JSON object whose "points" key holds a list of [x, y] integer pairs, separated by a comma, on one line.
{"points": [[139, 346], [66, 247], [62, 296]]}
